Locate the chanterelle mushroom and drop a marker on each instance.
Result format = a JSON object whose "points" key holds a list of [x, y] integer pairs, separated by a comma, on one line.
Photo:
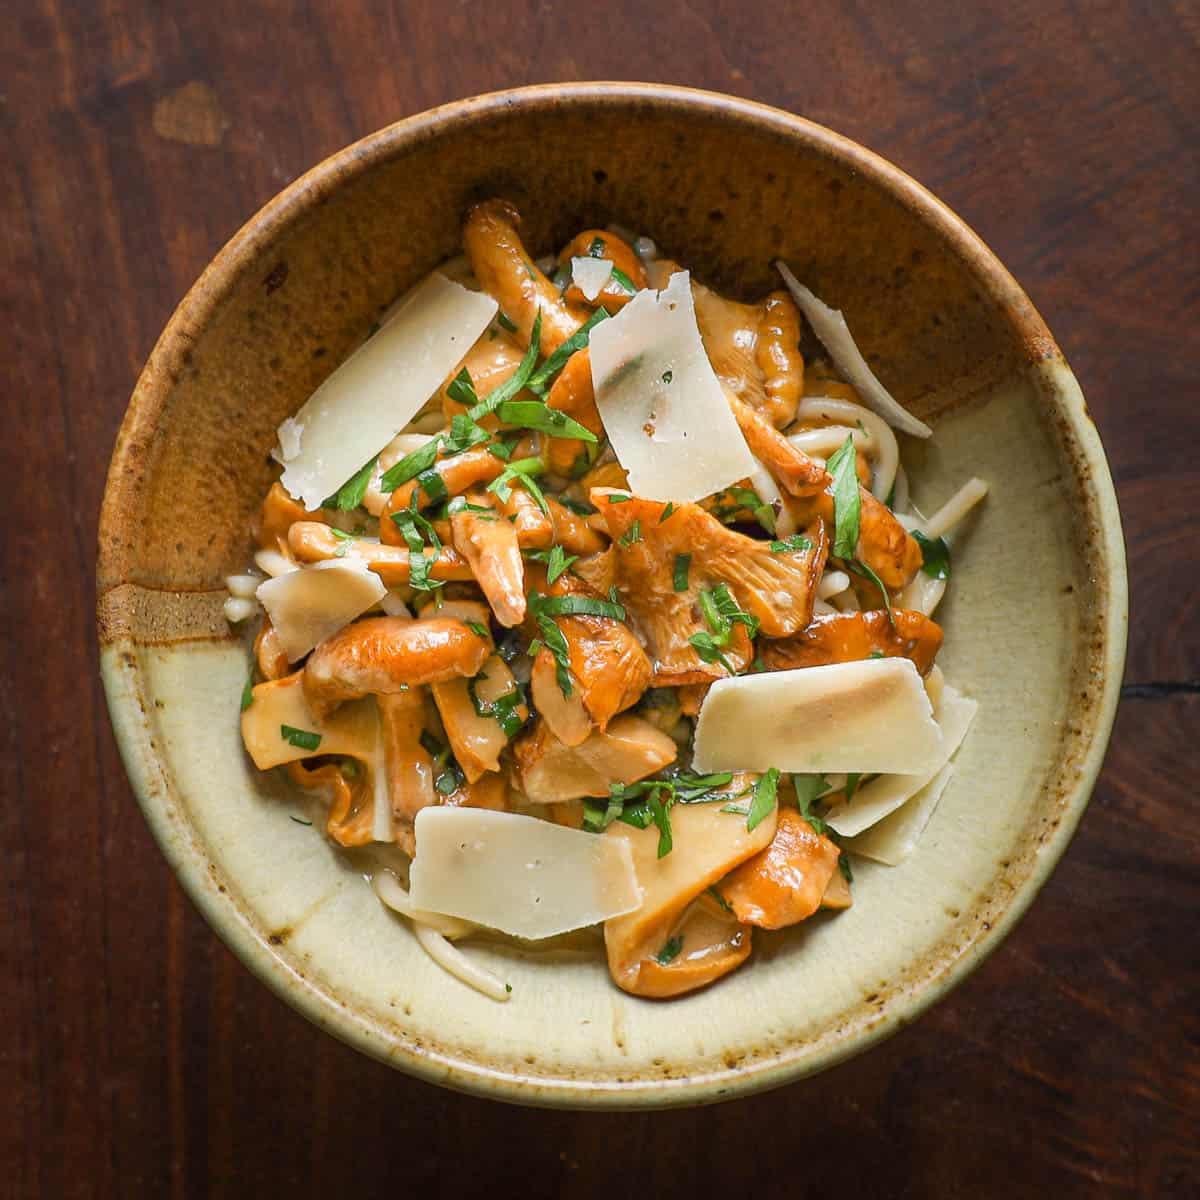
{"points": [[630, 749], [382, 655], [690, 549], [852, 637], [665, 947]]}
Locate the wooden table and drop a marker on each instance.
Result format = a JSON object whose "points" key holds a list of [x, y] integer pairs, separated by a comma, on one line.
{"points": [[138, 1057]]}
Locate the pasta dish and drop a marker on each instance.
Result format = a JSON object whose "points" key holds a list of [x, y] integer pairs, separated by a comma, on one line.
{"points": [[600, 600]]}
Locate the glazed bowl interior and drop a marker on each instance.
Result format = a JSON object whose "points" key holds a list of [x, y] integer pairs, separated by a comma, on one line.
{"points": [[1034, 618]]}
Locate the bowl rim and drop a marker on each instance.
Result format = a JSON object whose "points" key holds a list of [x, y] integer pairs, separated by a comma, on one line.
{"points": [[120, 674]]}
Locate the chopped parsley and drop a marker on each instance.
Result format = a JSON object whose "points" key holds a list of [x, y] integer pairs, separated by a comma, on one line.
{"points": [[248, 692], [543, 377], [935, 555], [791, 545], [631, 535], [534, 414], [350, 495], [808, 789], [503, 710], [649, 803], [575, 606], [464, 434], [478, 629], [618, 498], [450, 780], [683, 563], [521, 471], [581, 508], [343, 541], [667, 376], [712, 891], [410, 466], [670, 950], [861, 568], [515, 382], [299, 820], [847, 502], [414, 529], [461, 390], [666, 512], [506, 322], [304, 738], [721, 614], [503, 450], [557, 561], [763, 801]]}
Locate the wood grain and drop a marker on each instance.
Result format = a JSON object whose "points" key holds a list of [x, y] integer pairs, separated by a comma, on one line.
{"points": [[137, 1056]]}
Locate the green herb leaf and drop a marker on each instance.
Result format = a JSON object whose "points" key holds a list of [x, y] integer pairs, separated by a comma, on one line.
{"points": [[662, 818], [712, 891], [935, 555], [763, 803], [598, 815], [464, 434], [667, 511], [414, 528], [350, 495], [506, 322], [521, 471], [808, 789], [581, 508], [432, 484], [503, 450], [847, 502], [534, 414], [479, 630], [450, 780], [861, 568], [248, 691], [670, 950], [791, 545], [410, 466], [515, 382], [852, 781], [631, 535], [299, 820], [683, 564], [575, 606], [304, 738], [596, 248], [622, 281], [540, 381], [343, 540], [503, 710], [556, 559], [555, 641], [462, 389]]}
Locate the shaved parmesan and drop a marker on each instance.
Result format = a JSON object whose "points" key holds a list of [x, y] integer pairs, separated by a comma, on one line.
{"points": [[523, 876], [309, 605], [661, 402], [875, 800], [830, 326], [894, 838], [857, 716], [590, 275], [380, 388]]}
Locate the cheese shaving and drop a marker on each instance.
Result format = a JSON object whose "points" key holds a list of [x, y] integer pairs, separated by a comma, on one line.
{"points": [[353, 415], [894, 838], [591, 275], [521, 875], [868, 716], [661, 402]]}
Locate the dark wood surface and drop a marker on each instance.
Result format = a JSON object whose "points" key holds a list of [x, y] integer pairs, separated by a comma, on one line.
{"points": [[137, 1057]]}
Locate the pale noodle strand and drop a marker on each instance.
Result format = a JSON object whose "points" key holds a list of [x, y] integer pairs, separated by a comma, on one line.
{"points": [[880, 441], [389, 890], [955, 508], [450, 958], [832, 583], [768, 492], [822, 608]]}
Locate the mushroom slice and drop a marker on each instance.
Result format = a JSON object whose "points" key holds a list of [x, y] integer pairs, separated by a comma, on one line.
{"points": [[505, 271], [480, 715], [279, 513], [574, 394], [382, 655], [668, 946], [488, 791], [608, 669], [489, 544], [785, 882], [851, 637], [456, 474], [571, 531], [311, 542], [409, 765], [493, 360], [279, 728], [688, 546], [630, 749], [795, 472]]}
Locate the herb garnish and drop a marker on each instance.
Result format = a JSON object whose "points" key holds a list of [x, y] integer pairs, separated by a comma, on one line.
{"points": [[683, 563], [861, 568], [503, 710], [543, 377], [521, 471], [935, 555], [763, 802], [506, 322], [304, 738], [670, 950], [350, 494], [534, 414], [410, 466], [631, 535], [478, 629], [712, 891], [248, 692], [518, 380], [414, 528], [666, 512], [847, 501], [557, 560], [581, 508], [721, 613], [575, 606], [791, 545]]}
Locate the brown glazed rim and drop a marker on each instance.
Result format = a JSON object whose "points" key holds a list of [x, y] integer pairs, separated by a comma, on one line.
{"points": [[945, 967]]}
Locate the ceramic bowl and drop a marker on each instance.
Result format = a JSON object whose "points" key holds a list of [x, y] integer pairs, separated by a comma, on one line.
{"points": [[1035, 620]]}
